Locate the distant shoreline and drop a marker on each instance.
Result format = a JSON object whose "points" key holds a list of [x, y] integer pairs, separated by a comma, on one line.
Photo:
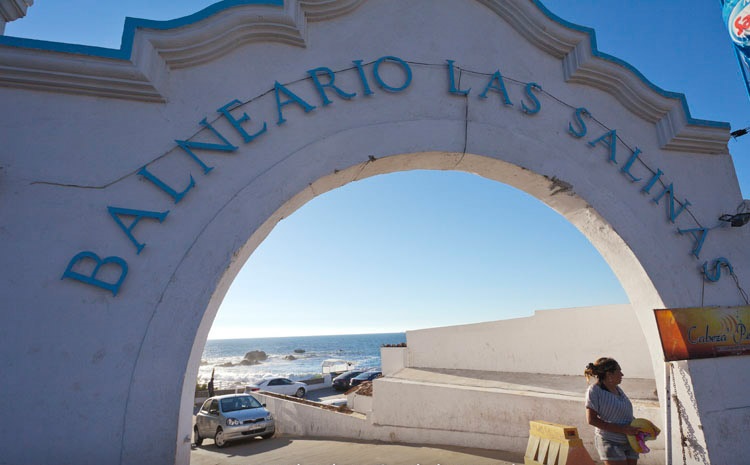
{"points": [[303, 336]]}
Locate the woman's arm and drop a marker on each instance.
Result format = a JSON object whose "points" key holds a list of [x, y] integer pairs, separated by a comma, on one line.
{"points": [[592, 417]]}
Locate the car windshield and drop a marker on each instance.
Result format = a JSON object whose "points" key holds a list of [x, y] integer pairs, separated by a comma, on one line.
{"points": [[232, 404]]}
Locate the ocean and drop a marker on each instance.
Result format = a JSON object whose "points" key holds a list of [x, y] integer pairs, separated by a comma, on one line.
{"points": [[363, 350]]}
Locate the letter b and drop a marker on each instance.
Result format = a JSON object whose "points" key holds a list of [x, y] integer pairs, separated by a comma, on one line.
{"points": [[91, 278]]}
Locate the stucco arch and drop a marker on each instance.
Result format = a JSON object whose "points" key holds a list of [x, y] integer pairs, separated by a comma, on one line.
{"points": [[552, 192], [156, 131]]}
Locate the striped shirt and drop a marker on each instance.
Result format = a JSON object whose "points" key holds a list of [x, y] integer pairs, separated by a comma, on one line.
{"points": [[611, 408]]}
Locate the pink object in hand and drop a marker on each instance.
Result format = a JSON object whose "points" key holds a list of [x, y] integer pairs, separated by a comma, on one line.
{"points": [[641, 438]]}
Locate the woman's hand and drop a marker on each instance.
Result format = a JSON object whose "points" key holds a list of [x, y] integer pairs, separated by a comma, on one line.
{"points": [[593, 419], [630, 430]]}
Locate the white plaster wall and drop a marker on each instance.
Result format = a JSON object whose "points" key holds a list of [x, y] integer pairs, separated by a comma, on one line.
{"points": [[359, 403], [76, 129], [486, 418], [558, 342], [497, 418], [392, 359]]}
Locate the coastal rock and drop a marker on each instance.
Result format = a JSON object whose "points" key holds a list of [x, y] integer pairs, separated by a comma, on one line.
{"points": [[299, 351], [254, 357], [227, 365], [290, 357]]}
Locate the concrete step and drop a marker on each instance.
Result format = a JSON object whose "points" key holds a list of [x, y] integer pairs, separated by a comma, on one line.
{"points": [[637, 389]]}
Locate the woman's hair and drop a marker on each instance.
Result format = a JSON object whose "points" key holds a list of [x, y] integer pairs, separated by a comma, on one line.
{"points": [[600, 368]]}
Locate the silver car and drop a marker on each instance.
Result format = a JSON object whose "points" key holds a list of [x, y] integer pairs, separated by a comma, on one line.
{"points": [[280, 386], [230, 417]]}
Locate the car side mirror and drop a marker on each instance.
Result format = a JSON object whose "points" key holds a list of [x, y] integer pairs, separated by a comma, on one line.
{"points": [[263, 404]]}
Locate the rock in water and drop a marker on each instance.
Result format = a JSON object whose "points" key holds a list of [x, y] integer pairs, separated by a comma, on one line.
{"points": [[255, 356]]}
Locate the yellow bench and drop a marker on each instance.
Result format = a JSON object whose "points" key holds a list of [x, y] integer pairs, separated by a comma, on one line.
{"points": [[553, 444]]}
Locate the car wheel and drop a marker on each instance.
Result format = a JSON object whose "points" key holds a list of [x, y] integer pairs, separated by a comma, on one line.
{"points": [[219, 438], [267, 435], [300, 393], [197, 436]]}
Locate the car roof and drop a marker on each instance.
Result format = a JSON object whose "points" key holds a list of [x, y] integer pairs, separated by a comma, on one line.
{"points": [[225, 396]]}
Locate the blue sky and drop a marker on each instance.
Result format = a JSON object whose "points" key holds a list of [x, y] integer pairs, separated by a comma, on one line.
{"points": [[436, 248]]}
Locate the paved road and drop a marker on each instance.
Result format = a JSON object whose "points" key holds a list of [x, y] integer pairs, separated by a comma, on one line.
{"points": [[312, 451], [324, 394], [323, 451]]}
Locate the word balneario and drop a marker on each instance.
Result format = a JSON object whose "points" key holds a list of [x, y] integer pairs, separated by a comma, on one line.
{"points": [[323, 80]]}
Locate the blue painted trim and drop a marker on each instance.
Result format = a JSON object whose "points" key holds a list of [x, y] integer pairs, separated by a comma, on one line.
{"points": [[128, 34], [131, 24], [595, 51], [62, 47]]}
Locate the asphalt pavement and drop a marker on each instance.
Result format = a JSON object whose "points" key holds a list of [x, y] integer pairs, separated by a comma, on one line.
{"points": [[326, 451], [319, 451], [324, 394]]}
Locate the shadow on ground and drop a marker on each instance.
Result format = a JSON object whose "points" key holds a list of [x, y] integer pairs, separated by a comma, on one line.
{"points": [[323, 451]]}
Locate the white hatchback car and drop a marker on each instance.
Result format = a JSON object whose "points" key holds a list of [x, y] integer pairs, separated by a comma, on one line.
{"points": [[230, 417], [279, 386]]}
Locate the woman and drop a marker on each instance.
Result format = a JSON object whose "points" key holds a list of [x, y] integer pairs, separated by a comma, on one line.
{"points": [[610, 412]]}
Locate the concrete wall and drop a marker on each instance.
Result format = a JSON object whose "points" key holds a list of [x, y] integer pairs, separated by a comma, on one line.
{"points": [[560, 342], [393, 359], [494, 413], [11, 10], [487, 418], [78, 125]]}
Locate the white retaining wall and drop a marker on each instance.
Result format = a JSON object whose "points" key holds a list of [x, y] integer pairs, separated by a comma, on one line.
{"points": [[558, 342], [482, 413], [483, 418]]}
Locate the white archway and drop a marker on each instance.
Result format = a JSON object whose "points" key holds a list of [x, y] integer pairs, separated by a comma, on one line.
{"points": [[213, 128]]}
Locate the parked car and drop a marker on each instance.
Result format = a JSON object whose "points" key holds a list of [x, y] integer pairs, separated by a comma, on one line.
{"points": [[366, 376], [341, 382], [279, 386], [231, 417], [337, 402]]}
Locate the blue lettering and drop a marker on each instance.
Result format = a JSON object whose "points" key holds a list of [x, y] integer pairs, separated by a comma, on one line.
{"points": [[177, 196], [626, 169], [139, 215], [500, 87], [537, 104], [700, 238], [647, 189], [672, 215], [580, 113], [716, 274], [321, 87], [187, 146], [609, 140], [404, 65], [452, 78], [91, 279], [292, 98], [363, 77], [237, 123]]}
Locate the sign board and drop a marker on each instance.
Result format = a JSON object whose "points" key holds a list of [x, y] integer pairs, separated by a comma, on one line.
{"points": [[703, 332], [736, 14]]}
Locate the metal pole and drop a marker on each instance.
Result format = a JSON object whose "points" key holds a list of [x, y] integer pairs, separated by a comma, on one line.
{"points": [[668, 413]]}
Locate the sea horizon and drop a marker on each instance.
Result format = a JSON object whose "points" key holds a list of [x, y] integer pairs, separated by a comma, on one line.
{"points": [[303, 335], [293, 357]]}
